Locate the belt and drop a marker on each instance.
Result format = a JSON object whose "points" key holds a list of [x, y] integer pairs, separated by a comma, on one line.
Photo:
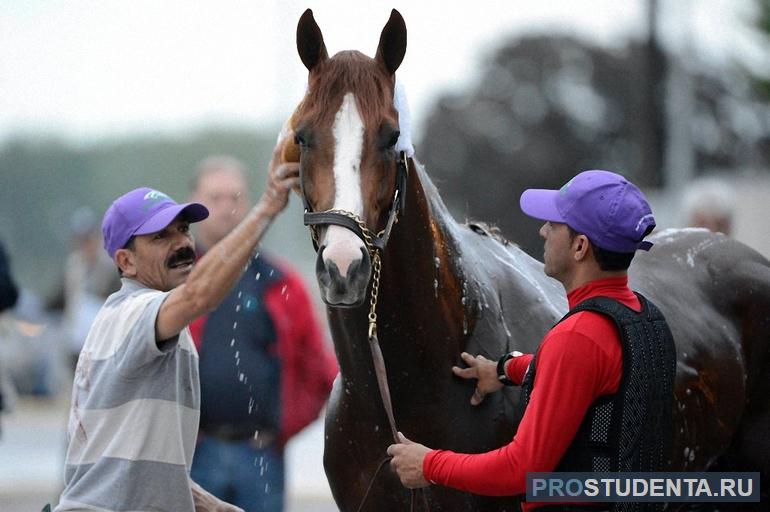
{"points": [[261, 438]]}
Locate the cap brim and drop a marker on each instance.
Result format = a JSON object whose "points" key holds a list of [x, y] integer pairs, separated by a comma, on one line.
{"points": [[193, 212], [541, 204], [645, 246]]}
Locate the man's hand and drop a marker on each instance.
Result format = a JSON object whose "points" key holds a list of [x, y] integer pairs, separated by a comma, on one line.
{"points": [[484, 370], [407, 462], [207, 502], [282, 177]]}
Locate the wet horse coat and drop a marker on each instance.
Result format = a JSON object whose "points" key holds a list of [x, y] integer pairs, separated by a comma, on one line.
{"points": [[448, 287]]}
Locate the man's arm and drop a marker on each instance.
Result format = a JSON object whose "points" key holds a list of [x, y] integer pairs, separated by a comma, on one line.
{"points": [[220, 268], [571, 370]]}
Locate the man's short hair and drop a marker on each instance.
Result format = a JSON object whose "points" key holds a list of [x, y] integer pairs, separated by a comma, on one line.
{"points": [[608, 261], [216, 163]]}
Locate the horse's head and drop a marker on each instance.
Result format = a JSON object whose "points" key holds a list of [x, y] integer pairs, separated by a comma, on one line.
{"points": [[347, 129]]}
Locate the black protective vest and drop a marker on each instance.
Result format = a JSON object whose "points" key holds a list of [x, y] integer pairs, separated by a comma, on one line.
{"points": [[632, 429]]}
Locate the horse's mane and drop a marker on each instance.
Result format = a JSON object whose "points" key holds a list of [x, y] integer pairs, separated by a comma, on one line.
{"points": [[439, 208], [349, 71]]}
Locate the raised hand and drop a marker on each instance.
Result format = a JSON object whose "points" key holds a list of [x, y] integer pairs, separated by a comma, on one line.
{"points": [[484, 370]]}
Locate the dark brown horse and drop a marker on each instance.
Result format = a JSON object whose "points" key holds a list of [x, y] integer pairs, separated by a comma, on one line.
{"points": [[447, 287]]}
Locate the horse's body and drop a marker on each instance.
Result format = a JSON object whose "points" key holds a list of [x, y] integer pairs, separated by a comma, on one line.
{"points": [[447, 288], [467, 291]]}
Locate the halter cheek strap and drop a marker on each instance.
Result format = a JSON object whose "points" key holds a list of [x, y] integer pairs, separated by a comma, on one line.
{"points": [[352, 222]]}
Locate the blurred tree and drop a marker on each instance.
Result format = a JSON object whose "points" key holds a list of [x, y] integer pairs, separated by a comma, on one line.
{"points": [[762, 83], [547, 107], [44, 180]]}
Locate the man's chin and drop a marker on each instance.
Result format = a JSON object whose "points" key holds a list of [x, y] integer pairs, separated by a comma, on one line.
{"points": [[179, 275]]}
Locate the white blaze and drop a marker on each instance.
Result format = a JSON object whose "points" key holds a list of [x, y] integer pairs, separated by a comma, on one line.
{"points": [[343, 247]]}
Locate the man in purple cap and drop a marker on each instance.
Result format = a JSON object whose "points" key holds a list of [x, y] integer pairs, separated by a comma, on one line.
{"points": [[598, 393], [136, 395]]}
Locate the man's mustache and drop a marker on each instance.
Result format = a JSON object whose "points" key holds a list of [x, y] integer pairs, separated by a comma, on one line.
{"points": [[183, 255]]}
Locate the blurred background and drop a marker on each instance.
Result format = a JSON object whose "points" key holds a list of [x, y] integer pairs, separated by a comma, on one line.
{"points": [[101, 96]]}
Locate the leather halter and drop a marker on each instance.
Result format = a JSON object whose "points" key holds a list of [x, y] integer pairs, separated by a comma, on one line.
{"points": [[344, 219]]}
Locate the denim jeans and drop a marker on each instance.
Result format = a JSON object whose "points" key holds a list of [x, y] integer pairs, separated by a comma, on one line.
{"points": [[239, 473]]}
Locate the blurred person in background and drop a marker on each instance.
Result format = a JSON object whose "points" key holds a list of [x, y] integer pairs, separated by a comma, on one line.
{"points": [[136, 394], [9, 294], [264, 366], [710, 203], [89, 278]]}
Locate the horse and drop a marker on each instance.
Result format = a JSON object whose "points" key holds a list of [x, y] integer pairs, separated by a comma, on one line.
{"points": [[438, 287]]}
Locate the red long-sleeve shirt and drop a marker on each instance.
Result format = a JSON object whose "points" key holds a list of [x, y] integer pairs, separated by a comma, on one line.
{"points": [[579, 360]]}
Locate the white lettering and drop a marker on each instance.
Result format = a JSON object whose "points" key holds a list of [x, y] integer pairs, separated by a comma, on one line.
{"points": [[656, 487], [727, 486], [749, 487], [703, 488]]}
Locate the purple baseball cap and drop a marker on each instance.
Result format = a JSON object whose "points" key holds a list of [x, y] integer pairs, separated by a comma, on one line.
{"points": [[143, 211], [610, 210]]}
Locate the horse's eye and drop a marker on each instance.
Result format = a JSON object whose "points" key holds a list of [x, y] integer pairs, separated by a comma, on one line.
{"points": [[394, 139], [299, 139]]}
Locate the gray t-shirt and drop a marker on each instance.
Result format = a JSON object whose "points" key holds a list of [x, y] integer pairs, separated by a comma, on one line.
{"points": [[134, 413]]}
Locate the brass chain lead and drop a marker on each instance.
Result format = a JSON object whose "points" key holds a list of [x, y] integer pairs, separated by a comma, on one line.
{"points": [[376, 267]]}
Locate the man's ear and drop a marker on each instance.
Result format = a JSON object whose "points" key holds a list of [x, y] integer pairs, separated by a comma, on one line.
{"points": [[581, 247], [124, 259]]}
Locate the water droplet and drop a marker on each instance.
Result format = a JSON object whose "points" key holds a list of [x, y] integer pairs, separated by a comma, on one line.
{"points": [[283, 289], [240, 294], [465, 326], [237, 352], [232, 342], [271, 273], [259, 274], [240, 377], [435, 288], [248, 303], [462, 301], [688, 391], [238, 307], [235, 324], [437, 262]]}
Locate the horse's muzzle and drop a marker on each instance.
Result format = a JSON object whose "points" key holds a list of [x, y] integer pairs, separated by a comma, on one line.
{"points": [[343, 291]]}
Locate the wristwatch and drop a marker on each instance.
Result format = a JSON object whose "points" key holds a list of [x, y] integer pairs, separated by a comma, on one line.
{"points": [[502, 377]]}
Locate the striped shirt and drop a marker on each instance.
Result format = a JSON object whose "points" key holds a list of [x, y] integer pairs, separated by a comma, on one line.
{"points": [[134, 412]]}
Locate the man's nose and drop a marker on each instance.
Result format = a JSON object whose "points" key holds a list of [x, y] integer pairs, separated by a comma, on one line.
{"points": [[543, 229], [181, 240]]}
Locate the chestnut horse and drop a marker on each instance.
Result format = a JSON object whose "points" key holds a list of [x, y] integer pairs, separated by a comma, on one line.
{"points": [[446, 287]]}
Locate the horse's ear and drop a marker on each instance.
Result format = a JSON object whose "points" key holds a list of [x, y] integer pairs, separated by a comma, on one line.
{"points": [[392, 45], [310, 41]]}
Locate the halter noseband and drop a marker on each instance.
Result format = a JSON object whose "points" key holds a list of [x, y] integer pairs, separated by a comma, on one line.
{"points": [[373, 241]]}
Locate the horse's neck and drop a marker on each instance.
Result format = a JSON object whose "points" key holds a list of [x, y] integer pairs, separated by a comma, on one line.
{"points": [[419, 304], [422, 277]]}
